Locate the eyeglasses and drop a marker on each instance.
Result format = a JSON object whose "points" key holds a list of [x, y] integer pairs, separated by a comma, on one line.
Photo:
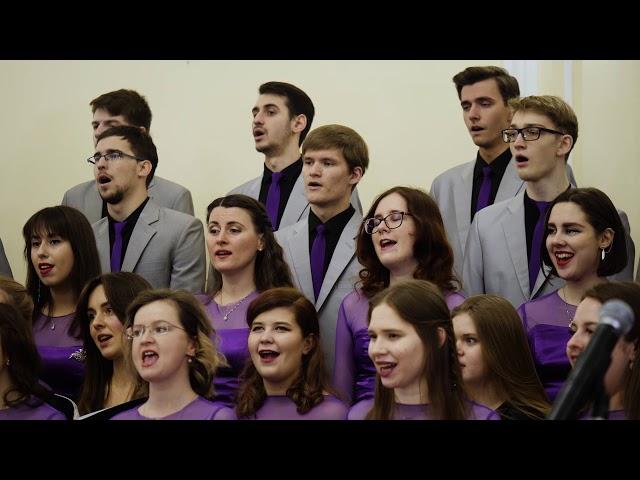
{"points": [[509, 135], [155, 329], [393, 220], [111, 157]]}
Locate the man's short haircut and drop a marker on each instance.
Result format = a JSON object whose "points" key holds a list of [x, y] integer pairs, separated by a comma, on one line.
{"points": [[141, 144], [559, 112], [296, 100], [128, 103], [507, 84], [338, 137]]}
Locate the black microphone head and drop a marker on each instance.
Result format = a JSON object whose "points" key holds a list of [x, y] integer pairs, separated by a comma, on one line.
{"points": [[618, 314]]}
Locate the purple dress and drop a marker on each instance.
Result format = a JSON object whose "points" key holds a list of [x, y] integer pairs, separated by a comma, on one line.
{"points": [[232, 343], [420, 412], [63, 368], [43, 411], [199, 409], [546, 320], [354, 375], [281, 407]]}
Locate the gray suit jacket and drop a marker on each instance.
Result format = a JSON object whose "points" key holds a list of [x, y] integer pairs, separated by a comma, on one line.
{"points": [[496, 258], [5, 268], [452, 192], [166, 247], [85, 197], [297, 206], [339, 280]]}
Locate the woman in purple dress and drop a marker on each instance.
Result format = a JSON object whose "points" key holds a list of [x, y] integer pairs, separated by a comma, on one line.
{"points": [[246, 260], [22, 397], [61, 255], [172, 350], [497, 367], [403, 237], [585, 243], [286, 377], [413, 349], [622, 378], [109, 379]]}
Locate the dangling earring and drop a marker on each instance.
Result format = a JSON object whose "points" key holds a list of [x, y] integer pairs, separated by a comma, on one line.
{"points": [[602, 254], [8, 362], [38, 300]]}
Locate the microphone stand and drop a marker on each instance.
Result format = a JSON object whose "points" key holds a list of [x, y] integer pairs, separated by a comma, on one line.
{"points": [[600, 410]]}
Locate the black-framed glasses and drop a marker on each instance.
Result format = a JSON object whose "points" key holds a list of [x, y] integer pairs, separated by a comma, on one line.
{"points": [[155, 329], [393, 220], [111, 157], [509, 135]]}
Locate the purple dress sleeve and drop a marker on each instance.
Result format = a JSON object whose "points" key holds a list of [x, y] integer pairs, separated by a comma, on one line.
{"points": [[353, 372], [547, 319], [39, 411], [359, 410], [453, 299]]}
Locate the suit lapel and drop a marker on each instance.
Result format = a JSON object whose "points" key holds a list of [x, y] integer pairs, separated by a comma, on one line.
{"points": [[462, 200], [516, 240], [511, 183], [142, 233], [298, 246], [101, 230], [296, 205], [342, 255]]}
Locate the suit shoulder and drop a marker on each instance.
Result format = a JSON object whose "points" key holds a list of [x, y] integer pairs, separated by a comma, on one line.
{"points": [[177, 218], [452, 172], [169, 186], [81, 188], [241, 189]]}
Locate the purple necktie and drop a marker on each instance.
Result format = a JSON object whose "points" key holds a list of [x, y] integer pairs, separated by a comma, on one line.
{"points": [[273, 199], [485, 189], [317, 259], [116, 251], [536, 244]]}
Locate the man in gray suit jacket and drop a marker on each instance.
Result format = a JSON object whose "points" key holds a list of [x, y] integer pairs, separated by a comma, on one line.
{"points": [[164, 246], [502, 253], [5, 268], [320, 249], [484, 93], [282, 117], [124, 107]]}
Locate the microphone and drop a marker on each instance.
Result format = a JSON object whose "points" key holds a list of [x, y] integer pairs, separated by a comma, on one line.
{"points": [[616, 320]]}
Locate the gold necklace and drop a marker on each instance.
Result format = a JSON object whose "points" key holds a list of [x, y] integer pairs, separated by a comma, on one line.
{"points": [[230, 311]]}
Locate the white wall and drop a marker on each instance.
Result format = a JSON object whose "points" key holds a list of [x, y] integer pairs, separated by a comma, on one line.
{"points": [[407, 111]]}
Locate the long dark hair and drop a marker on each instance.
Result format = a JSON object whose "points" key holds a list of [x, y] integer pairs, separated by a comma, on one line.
{"points": [[121, 289], [307, 389], [421, 304], [70, 225], [270, 270], [506, 351], [23, 362], [431, 248], [601, 214]]}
